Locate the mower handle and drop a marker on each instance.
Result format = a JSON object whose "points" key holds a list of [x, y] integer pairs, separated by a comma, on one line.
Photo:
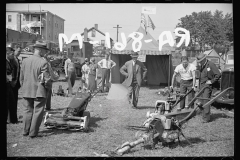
{"points": [[207, 104]]}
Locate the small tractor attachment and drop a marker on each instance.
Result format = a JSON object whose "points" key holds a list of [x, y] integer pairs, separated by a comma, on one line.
{"points": [[165, 128]]}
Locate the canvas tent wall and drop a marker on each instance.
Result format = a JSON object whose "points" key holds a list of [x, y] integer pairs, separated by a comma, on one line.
{"points": [[158, 63]]}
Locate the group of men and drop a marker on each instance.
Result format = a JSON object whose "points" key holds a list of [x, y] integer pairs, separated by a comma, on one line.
{"points": [[35, 77], [135, 72], [209, 76]]}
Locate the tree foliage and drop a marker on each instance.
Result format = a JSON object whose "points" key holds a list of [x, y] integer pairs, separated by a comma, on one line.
{"points": [[207, 29]]}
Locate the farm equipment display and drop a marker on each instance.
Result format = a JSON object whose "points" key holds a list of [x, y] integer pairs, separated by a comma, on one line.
{"points": [[74, 117], [165, 128], [173, 98]]}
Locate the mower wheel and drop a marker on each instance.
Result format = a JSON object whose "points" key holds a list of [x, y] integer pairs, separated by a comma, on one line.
{"points": [[86, 115]]}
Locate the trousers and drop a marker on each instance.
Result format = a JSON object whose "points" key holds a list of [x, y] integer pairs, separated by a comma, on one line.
{"points": [[33, 115], [105, 78], [133, 93], [206, 94], [11, 114], [48, 98], [186, 85]]}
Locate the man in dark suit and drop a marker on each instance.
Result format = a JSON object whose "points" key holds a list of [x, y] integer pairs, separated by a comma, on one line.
{"points": [[135, 72], [15, 77], [33, 89], [209, 76]]}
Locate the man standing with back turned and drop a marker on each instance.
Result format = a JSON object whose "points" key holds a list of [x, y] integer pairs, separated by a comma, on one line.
{"points": [[33, 89], [134, 77]]}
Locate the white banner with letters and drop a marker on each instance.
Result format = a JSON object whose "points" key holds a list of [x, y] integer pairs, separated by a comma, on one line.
{"points": [[149, 10]]}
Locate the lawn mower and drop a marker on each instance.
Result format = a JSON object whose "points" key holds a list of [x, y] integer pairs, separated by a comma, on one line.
{"points": [[74, 117], [164, 128]]}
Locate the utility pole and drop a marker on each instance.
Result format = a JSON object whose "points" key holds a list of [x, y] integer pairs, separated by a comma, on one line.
{"points": [[117, 31]]}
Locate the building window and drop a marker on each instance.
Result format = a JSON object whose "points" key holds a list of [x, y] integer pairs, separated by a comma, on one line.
{"points": [[9, 18]]}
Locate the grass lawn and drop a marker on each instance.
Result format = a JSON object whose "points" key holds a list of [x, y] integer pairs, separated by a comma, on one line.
{"points": [[108, 130]]}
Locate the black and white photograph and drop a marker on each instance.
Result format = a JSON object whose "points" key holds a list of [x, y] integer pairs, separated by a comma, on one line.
{"points": [[119, 80]]}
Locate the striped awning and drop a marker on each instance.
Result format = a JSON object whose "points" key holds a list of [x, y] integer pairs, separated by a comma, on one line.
{"points": [[143, 52]]}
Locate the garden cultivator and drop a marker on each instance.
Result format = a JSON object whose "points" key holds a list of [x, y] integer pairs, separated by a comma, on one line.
{"points": [[165, 128]]}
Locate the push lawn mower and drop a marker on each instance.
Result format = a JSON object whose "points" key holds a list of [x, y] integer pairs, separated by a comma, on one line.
{"points": [[74, 117], [164, 128]]}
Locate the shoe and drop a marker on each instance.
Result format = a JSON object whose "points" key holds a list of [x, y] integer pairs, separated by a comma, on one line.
{"points": [[129, 102], [48, 109], [134, 107], [25, 134], [39, 135]]}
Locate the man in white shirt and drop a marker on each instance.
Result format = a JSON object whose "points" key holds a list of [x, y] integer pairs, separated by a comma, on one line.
{"points": [[106, 64], [187, 82]]}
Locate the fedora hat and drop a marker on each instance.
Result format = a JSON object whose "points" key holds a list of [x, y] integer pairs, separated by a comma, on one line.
{"points": [[40, 44], [201, 57], [134, 54]]}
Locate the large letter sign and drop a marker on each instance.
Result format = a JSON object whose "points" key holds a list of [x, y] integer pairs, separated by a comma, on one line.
{"points": [[169, 39], [119, 46], [185, 36], [64, 37], [136, 36]]}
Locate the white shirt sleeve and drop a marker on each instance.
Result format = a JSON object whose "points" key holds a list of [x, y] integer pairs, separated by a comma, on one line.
{"points": [[177, 69]]}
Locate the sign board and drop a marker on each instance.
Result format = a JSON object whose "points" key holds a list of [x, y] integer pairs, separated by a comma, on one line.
{"points": [[149, 10], [142, 58]]}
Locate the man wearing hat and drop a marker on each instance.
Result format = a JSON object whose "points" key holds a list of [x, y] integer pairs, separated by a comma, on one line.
{"points": [[106, 65], [135, 72], [33, 89], [15, 75], [209, 76], [187, 82], [10, 113]]}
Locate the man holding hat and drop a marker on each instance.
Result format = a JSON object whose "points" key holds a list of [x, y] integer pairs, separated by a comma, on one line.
{"points": [[106, 64], [34, 90], [135, 72], [209, 76]]}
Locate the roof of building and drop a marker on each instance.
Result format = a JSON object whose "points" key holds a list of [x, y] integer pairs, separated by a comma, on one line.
{"points": [[33, 11]]}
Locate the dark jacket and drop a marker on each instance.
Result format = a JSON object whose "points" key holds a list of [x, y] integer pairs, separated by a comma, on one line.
{"points": [[141, 72], [16, 72], [209, 72]]}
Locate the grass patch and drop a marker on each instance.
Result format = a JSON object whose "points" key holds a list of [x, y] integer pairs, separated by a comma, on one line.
{"points": [[108, 130]]}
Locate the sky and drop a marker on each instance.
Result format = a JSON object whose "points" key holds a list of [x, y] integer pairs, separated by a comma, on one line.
{"points": [[127, 15]]}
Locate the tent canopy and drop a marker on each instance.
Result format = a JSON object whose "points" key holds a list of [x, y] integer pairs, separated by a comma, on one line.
{"points": [[158, 63], [148, 48]]}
